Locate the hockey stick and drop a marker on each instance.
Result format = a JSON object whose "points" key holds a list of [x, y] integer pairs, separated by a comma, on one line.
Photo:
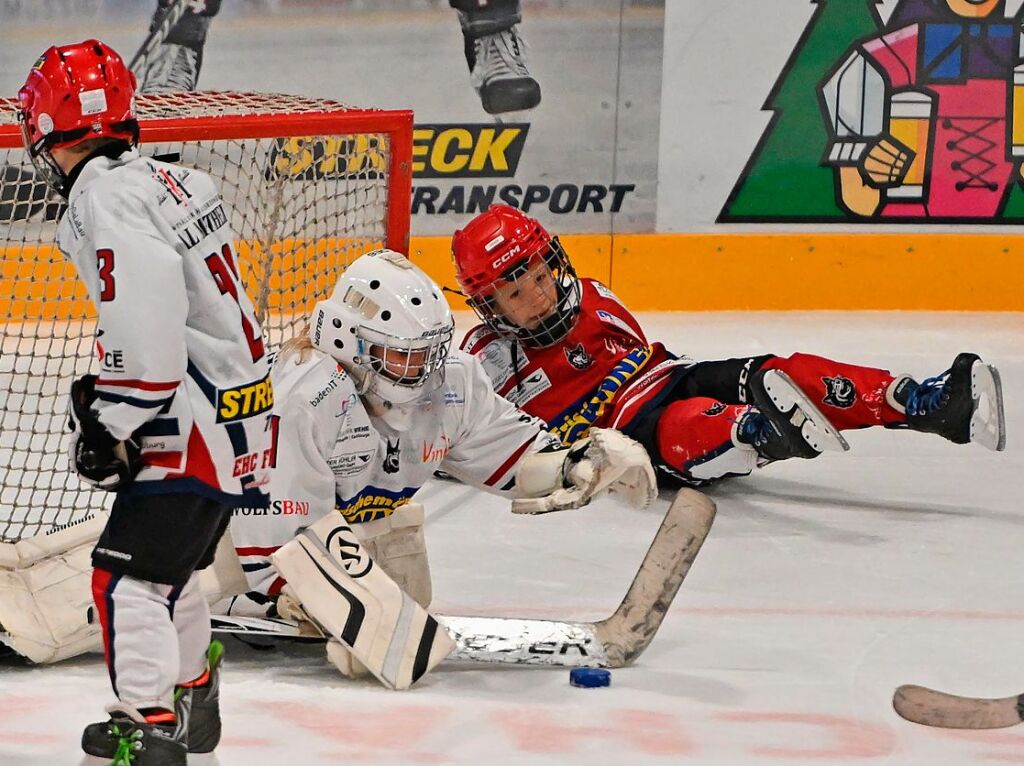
{"points": [[610, 643], [934, 708]]}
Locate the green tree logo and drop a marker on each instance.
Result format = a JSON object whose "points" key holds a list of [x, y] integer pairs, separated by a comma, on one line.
{"points": [[784, 178]]}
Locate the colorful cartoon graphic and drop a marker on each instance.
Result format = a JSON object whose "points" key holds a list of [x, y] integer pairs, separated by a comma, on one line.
{"points": [[923, 118]]}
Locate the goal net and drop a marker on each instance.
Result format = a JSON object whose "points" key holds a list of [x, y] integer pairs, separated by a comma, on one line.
{"points": [[311, 185]]}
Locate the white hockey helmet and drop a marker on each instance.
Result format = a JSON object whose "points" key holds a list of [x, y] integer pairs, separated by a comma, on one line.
{"points": [[388, 325]]}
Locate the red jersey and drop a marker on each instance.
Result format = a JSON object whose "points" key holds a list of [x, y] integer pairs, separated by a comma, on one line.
{"points": [[599, 375]]}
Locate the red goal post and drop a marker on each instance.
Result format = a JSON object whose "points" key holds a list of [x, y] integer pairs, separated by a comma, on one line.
{"points": [[311, 185]]}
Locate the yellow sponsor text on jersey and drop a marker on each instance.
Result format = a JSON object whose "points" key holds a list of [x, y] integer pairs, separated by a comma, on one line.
{"points": [[244, 401], [371, 508], [573, 425]]}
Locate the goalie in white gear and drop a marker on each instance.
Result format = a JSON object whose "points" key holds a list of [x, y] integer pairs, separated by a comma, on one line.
{"points": [[371, 403]]}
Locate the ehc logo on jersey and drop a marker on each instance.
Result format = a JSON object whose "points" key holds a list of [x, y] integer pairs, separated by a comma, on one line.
{"points": [[839, 391], [578, 357], [391, 458]]}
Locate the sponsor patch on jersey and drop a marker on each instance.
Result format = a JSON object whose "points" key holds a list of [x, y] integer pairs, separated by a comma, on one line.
{"points": [[435, 452], [535, 383], [373, 503], [574, 423], [604, 292], [323, 393], [453, 398], [609, 318], [715, 409], [244, 401], [496, 358], [275, 508], [349, 464], [355, 432], [839, 391]]}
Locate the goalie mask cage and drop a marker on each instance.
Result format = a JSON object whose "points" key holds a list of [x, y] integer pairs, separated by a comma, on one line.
{"points": [[311, 185]]}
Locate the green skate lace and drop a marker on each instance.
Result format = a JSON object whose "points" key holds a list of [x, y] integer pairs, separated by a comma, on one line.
{"points": [[126, 745]]}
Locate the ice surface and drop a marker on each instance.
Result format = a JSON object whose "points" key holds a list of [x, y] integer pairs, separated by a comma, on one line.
{"points": [[824, 584]]}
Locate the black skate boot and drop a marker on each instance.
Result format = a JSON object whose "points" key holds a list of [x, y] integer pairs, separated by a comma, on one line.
{"points": [[786, 423], [499, 73], [198, 704], [127, 739], [962, 404], [174, 64]]}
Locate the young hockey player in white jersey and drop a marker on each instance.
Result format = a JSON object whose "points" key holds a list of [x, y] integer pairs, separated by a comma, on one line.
{"points": [[371, 402], [176, 421]]}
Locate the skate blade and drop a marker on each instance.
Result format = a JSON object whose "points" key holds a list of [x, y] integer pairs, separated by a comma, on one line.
{"points": [[815, 428], [988, 421]]}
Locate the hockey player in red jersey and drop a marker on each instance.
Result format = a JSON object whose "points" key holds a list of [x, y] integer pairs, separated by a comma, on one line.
{"points": [[568, 351], [175, 424]]}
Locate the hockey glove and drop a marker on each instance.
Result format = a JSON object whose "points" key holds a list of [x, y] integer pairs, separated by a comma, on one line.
{"points": [[99, 458], [607, 461]]}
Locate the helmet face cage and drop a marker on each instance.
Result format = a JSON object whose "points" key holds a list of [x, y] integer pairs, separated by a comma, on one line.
{"points": [[563, 316], [413, 364], [46, 167]]}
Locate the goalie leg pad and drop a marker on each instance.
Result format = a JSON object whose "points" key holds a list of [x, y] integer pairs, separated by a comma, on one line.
{"points": [[352, 599], [46, 609], [397, 544], [224, 577], [399, 547]]}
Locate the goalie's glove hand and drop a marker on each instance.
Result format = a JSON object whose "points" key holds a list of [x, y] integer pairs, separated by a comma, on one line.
{"points": [[99, 458], [606, 461]]}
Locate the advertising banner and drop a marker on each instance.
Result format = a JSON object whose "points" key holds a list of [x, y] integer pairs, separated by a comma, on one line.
{"points": [[548, 106]]}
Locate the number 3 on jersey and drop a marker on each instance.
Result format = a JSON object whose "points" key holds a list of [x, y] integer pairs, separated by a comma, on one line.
{"points": [[222, 266]]}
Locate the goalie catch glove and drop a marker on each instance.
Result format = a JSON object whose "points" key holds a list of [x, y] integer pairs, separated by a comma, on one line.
{"points": [[99, 458], [606, 461]]}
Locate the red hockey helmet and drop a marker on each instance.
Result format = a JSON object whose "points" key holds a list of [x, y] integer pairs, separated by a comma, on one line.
{"points": [[74, 93], [497, 248]]}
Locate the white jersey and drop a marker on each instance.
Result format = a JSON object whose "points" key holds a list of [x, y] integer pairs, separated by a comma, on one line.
{"points": [[181, 356], [331, 453]]}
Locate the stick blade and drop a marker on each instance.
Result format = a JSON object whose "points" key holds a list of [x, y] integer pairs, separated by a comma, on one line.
{"points": [[628, 632], [949, 711]]}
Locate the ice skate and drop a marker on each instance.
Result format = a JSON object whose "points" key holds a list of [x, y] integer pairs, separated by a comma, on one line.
{"points": [[197, 704], [127, 739], [171, 68], [500, 75], [963, 404], [786, 423]]}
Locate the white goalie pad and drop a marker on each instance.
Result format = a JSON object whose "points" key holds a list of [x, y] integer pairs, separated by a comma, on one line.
{"points": [[46, 608], [351, 598], [225, 577]]}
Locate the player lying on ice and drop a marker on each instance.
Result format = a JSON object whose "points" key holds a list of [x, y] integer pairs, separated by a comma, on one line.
{"points": [[566, 350]]}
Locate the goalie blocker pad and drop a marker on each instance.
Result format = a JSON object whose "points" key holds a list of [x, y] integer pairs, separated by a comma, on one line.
{"points": [[46, 608], [350, 598]]}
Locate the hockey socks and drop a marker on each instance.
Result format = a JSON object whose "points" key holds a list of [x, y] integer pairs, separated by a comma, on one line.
{"points": [[849, 396]]}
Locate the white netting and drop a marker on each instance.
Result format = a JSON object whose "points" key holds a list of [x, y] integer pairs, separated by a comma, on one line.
{"points": [[307, 196]]}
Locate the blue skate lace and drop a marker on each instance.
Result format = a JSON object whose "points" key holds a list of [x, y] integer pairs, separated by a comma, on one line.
{"points": [[754, 428], [929, 395]]}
